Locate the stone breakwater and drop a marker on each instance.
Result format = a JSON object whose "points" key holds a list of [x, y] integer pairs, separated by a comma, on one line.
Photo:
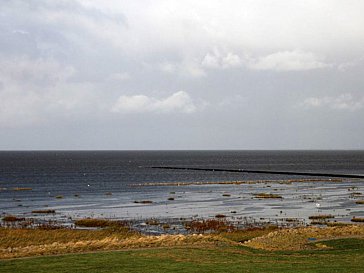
{"points": [[286, 181]]}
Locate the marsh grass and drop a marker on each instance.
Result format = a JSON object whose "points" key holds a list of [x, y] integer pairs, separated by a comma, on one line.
{"points": [[243, 235], [100, 223], [358, 219], [321, 217], [267, 195], [44, 211], [209, 225], [12, 218], [22, 242], [22, 189], [360, 202], [143, 202], [152, 222]]}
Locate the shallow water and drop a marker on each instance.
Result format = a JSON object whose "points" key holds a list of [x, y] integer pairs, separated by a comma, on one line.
{"points": [[91, 175]]}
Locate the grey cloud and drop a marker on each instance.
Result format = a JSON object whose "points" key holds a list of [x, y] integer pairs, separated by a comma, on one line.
{"points": [[341, 102], [253, 75]]}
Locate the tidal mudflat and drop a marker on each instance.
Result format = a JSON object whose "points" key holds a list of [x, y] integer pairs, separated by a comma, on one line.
{"points": [[281, 202]]}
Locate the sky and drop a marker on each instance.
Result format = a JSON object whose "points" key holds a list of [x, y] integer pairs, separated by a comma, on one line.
{"points": [[135, 75]]}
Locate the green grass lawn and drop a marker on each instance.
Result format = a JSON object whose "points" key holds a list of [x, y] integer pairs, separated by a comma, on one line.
{"points": [[345, 255]]}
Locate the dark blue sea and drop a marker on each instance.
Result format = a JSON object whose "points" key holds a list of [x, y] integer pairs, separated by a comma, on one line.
{"points": [[107, 183]]}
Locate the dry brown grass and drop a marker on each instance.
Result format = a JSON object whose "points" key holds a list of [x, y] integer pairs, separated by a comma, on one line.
{"points": [[242, 235], [298, 238], [34, 242], [360, 202], [357, 219]]}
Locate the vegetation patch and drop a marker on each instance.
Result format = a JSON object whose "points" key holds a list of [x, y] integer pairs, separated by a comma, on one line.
{"points": [[357, 219], [143, 202], [209, 225], [356, 194], [243, 235], [152, 222], [360, 202], [300, 238], [35, 242], [21, 189], [321, 217], [267, 195], [12, 218], [336, 224], [100, 223], [44, 211]]}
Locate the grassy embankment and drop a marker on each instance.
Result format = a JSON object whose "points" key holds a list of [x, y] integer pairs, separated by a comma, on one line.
{"points": [[252, 250], [345, 255]]}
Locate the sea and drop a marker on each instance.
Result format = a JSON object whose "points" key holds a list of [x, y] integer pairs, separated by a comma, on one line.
{"points": [[116, 184]]}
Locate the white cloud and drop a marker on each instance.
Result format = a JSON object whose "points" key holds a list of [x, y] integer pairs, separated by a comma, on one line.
{"points": [[177, 102], [288, 61], [341, 102], [185, 68], [216, 60]]}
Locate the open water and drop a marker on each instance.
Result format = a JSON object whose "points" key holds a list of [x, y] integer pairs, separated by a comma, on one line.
{"points": [[107, 184]]}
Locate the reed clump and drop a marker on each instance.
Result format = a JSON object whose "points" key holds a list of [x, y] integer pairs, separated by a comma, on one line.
{"points": [[209, 225], [12, 218], [267, 195], [100, 223], [152, 222], [360, 202], [321, 217], [355, 194], [357, 219], [44, 211], [22, 189], [143, 202]]}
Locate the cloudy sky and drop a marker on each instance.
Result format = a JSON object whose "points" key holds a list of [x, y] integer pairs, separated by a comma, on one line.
{"points": [[251, 74]]}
